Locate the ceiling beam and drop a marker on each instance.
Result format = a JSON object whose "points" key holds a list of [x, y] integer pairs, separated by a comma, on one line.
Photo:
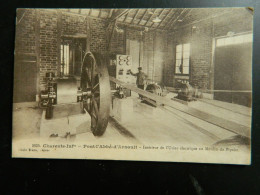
{"points": [[150, 17], [126, 17], [173, 22], [190, 10], [158, 17], [110, 13], [135, 16], [82, 15], [171, 19], [89, 13], [118, 14], [142, 16], [170, 11], [99, 14], [110, 35], [136, 26], [203, 19]]}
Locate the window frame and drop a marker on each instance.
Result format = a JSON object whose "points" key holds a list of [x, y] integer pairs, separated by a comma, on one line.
{"points": [[65, 59], [70, 43], [245, 37], [182, 59]]}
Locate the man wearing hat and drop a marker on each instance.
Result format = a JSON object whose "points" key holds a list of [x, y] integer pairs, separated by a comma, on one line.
{"points": [[141, 77]]}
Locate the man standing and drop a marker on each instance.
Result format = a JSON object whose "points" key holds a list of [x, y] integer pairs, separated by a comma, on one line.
{"points": [[141, 77]]}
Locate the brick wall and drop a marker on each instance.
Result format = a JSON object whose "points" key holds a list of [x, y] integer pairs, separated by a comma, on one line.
{"points": [[98, 40], [25, 31], [118, 42], [201, 39], [25, 62], [169, 59], [72, 24], [48, 44], [158, 47], [49, 36], [201, 54], [133, 34]]}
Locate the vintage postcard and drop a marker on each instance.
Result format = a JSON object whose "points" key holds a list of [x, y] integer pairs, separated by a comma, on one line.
{"points": [[149, 84]]}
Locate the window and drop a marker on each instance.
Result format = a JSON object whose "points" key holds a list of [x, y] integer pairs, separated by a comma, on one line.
{"points": [[72, 51], [182, 64], [64, 68], [237, 39]]}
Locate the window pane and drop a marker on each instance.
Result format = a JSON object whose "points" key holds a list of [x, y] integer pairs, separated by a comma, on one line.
{"points": [[186, 62], [186, 54], [235, 40], [67, 64], [220, 42], [186, 47], [179, 48], [186, 69], [248, 38], [178, 56], [65, 59], [228, 41], [177, 69], [238, 39], [178, 62], [61, 53]]}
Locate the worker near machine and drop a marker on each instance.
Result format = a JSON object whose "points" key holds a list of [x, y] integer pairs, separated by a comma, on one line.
{"points": [[140, 80]]}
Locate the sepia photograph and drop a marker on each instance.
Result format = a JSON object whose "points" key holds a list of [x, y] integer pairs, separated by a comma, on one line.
{"points": [[148, 84]]}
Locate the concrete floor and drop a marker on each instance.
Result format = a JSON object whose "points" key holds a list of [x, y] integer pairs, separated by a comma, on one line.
{"points": [[163, 126], [26, 120], [146, 125]]}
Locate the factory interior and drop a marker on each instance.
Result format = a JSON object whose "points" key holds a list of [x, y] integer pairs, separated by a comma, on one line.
{"points": [[134, 76]]}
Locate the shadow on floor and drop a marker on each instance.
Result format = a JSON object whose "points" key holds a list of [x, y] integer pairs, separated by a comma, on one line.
{"points": [[234, 140], [121, 129]]}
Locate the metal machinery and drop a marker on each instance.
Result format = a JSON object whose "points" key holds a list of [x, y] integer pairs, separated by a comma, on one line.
{"points": [[94, 96], [186, 92], [155, 89], [123, 67], [48, 97], [94, 93], [226, 124]]}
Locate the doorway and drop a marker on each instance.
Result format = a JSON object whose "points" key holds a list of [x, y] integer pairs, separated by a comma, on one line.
{"points": [[25, 78], [233, 69], [72, 51]]}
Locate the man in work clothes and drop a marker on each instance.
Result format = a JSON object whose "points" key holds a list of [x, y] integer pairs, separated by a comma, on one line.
{"points": [[141, 77]]}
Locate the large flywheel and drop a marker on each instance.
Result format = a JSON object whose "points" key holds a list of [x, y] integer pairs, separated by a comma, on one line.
{"points": [[95, 86]]}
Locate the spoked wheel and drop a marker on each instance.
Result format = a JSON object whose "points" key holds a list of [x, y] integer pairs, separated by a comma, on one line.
{"points": [[96, 85]]}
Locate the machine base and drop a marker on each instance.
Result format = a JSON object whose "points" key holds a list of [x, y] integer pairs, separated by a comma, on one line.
{"points": [[67, 120], [122, 109]]}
